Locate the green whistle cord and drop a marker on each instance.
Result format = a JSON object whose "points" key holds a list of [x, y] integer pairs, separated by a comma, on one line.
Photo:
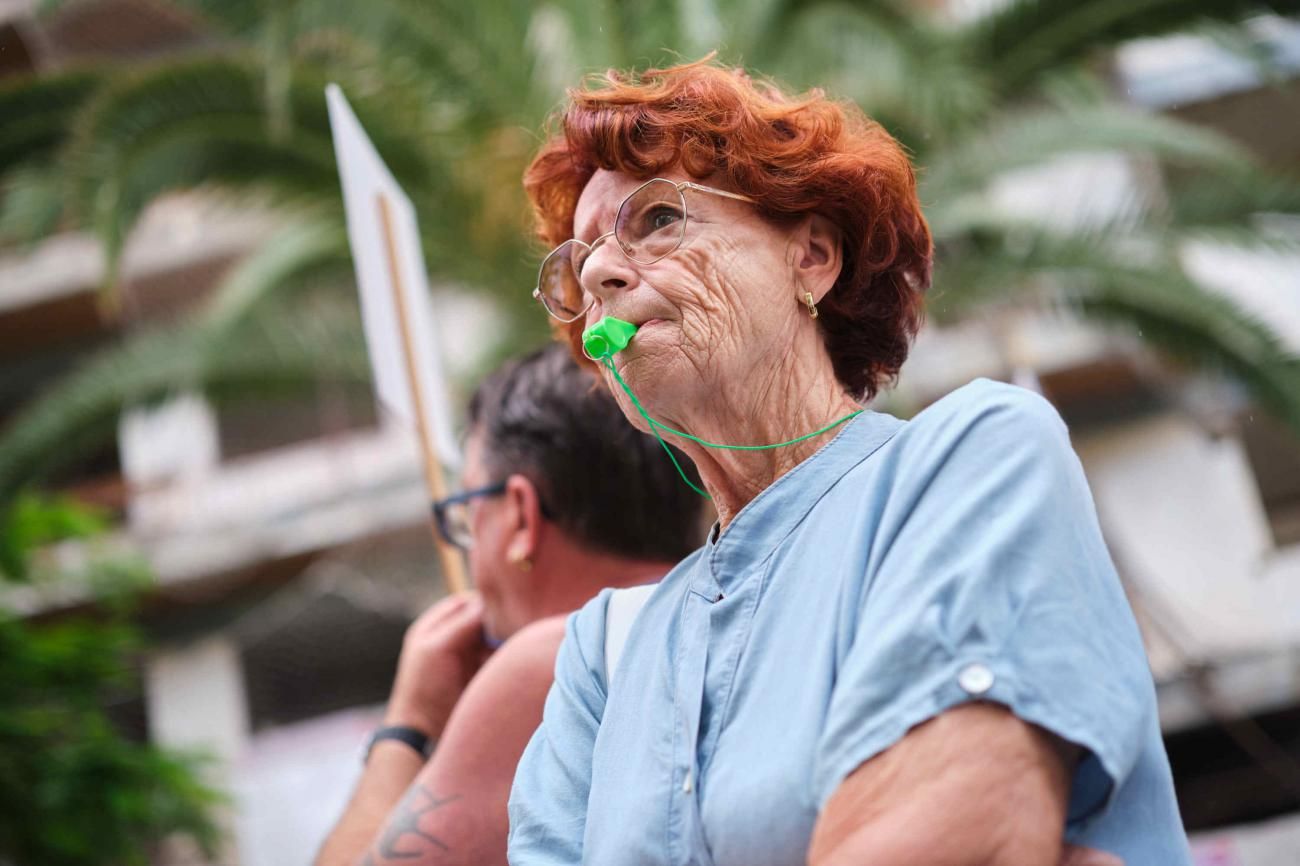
{"points": [[655, 427]]}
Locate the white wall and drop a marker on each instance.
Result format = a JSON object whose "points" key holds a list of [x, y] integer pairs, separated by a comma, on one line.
{"points": [[1215, 598], [291, 784], [1184, 519], [195, 698]]}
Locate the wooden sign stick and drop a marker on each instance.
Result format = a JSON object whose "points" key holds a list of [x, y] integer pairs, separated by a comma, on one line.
{"points": [[453, 565]]}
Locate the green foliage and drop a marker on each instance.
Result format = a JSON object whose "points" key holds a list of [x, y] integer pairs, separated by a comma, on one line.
{"points": [[1023, 139], [73, 790], [33, 203], [1025, 40], [39, 112], [32, 521], [201, 121]]}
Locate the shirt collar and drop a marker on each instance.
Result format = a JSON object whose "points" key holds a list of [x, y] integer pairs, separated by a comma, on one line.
{"points": [[771, 515]]}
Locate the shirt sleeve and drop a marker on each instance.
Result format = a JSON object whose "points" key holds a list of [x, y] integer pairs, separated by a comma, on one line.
{"points": [[548, 802], [989, 580]]}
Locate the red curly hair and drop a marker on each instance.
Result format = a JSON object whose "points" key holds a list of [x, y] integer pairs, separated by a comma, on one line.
{"points": [[794, 155]]}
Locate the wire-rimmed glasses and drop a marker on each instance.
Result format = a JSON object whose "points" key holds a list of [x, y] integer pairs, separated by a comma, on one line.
{"points": [[650, 224]]}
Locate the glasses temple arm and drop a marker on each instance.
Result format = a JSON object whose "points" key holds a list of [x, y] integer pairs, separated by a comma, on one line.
{"points": [[722, 192]]}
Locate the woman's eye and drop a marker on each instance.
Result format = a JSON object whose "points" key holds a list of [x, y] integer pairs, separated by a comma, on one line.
{"points": [[663, 217]]}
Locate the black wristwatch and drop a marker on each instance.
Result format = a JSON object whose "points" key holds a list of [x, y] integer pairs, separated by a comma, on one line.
{"points": [[416, 739]]}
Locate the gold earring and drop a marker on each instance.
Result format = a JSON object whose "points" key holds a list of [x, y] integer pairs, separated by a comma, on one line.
{"points": [[523, 562], [812, 307]]}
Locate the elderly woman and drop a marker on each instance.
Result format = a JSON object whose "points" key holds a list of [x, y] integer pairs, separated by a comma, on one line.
{"points": [[903, 642]]}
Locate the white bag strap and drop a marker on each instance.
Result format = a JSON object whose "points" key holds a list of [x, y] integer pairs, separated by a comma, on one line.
{"points": [[624, 605]]}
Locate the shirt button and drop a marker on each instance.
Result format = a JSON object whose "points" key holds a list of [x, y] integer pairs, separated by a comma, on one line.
{"points": [[976, 679], [687, 784]]}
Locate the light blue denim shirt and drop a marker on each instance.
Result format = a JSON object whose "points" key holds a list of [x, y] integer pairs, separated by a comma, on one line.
{"points": [[903, 569]]}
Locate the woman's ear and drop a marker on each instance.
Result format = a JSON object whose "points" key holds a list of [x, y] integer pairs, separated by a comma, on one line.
{"points": [[524, 518], [818, 256]]}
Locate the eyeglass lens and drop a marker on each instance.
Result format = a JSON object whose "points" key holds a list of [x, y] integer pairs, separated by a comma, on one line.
{"points": [[456, 518], [650, 224]]}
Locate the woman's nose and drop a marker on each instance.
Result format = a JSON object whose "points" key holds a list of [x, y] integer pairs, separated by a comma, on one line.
{"points": [[607, 271]]}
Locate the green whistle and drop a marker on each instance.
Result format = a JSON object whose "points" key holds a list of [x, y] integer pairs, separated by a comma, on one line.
{"points": [[609, 336]]}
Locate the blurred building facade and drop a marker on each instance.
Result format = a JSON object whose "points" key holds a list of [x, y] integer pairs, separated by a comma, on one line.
{"points": [[290, 539]]}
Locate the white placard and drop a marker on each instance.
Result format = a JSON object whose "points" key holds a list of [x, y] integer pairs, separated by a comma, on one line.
{"points": [[365, 180]]}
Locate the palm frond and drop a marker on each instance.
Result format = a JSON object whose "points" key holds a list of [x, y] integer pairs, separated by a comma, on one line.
{"points": [[474, 56], [1204, 199], [699, 27], [1116, 281], [1031, 138], [33, 203], [1200, 327], [600, 34], [1255, 209], [1023, 39], [281, 353], [451, 92], [38, 113], [557, 58], [252, 337], [1260, 237], [232, 17], [920, 90], [773, 19], [185, 123], [303, 251]]}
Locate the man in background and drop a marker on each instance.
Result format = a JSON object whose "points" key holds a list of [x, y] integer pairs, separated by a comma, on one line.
{"points": [[562, 497]]}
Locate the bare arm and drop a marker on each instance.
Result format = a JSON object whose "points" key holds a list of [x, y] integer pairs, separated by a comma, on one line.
{"points": [[442, 651], [974, 786], [455, 812], [388, 773]]}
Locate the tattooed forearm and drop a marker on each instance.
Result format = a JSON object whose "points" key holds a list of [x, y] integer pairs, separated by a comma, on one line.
{"points": [[402, 838]]}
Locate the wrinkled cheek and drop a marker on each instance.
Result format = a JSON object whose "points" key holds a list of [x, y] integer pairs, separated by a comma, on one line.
{"points": [[708, 311]]}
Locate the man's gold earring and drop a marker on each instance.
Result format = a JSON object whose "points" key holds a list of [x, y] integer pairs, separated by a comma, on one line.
{"points": [[524, 563], [812, 307]]}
